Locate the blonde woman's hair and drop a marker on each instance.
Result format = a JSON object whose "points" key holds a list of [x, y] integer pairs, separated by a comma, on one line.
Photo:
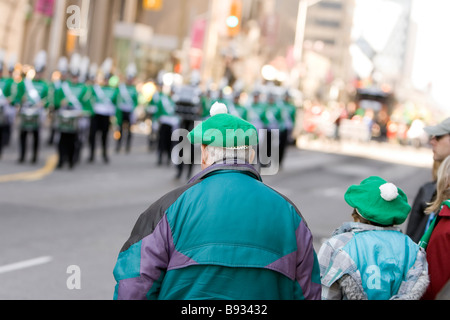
{"points": [[434, 170], [442, 187]]}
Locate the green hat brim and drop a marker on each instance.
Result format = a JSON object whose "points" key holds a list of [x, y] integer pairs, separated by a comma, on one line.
{"points": [[226, 131], [366, 198]]}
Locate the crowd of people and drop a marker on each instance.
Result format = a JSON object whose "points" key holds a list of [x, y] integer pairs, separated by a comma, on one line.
{"points": [[82, 103], [225, 234], [218, 237], [78, 104], [267, 107]]}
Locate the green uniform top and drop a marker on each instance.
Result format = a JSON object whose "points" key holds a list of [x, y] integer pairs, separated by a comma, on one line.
{"points": [[5, 92], [33, 100], [17, 90], [56, 94], [206, 105], [36, 91], [75, 95], [126, 100], [289, 113], [259, 109], [5, 86], [269, 114], [242, 111], [152, 107], [273, 116], [101, 100], [162, 105]]}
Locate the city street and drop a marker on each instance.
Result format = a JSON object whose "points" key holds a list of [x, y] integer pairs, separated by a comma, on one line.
{"points": [[60, 218]]}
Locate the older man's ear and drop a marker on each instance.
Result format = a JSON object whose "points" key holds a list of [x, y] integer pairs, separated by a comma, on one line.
{"points": [[205, 157]]}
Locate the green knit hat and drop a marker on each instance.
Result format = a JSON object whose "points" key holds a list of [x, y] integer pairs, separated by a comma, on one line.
{"points": [[379, 201], [224, 130]]}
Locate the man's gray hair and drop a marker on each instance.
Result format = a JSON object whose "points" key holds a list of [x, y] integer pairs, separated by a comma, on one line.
{"points": [[217, 154]]}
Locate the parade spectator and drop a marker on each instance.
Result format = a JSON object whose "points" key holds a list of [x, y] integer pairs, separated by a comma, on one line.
{"points": [[440, 141], [370, 258], [436, 239], [225, 235]]}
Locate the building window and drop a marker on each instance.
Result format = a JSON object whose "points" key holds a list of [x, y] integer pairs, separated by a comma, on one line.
{"points": [[327, 23], [330, 5], [330, 42]]}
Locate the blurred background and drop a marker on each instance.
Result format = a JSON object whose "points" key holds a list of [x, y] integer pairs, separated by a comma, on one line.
{"points": [[383, 55], [365, 77]]}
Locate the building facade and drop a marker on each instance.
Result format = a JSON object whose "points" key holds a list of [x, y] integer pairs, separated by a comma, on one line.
{"points": [[181, 35]]}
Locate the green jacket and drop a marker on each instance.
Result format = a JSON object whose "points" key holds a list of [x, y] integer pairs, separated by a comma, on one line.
{"points": [[269, 114], [17, 90], [126, 100], [36, 91], [102, 100], [75, 95], [56, 94], [225, 235], [162, 105], [5, 86]]}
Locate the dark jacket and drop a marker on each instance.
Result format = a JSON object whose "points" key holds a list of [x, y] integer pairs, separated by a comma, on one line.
{"points": [[417, 218]]}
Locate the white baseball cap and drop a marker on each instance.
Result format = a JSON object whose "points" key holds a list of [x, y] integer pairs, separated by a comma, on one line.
{"points": [[441, 129]]}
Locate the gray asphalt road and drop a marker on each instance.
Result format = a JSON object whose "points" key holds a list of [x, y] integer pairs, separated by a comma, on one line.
{"points": [[82, 217]]}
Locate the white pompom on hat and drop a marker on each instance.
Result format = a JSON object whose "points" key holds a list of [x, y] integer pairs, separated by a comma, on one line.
{"points": [[388, 191], [379, 201], [218, 108]]}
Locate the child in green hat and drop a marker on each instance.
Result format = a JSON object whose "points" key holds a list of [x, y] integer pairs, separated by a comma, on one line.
{"points": [[370, 258]]}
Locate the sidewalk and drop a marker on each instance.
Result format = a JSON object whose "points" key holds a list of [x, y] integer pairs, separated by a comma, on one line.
{"points": [[382, 151]]}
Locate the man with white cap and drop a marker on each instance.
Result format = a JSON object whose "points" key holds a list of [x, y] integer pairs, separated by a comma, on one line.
{"points": [[440, 142], [440, 139], [225, 235]]}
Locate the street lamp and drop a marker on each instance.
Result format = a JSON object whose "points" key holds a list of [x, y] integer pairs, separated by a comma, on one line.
{"points": [[303, 6]]}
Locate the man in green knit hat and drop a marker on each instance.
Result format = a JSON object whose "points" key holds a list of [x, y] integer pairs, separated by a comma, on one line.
{"points": [[225, 131], [224, 235]]}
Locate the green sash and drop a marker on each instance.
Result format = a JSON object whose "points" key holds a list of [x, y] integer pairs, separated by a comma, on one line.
{"points": [[427, 235]]}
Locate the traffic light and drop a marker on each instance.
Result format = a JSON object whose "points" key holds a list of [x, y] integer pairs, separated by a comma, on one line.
{"points": [[153, 5], [234, 18]]}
